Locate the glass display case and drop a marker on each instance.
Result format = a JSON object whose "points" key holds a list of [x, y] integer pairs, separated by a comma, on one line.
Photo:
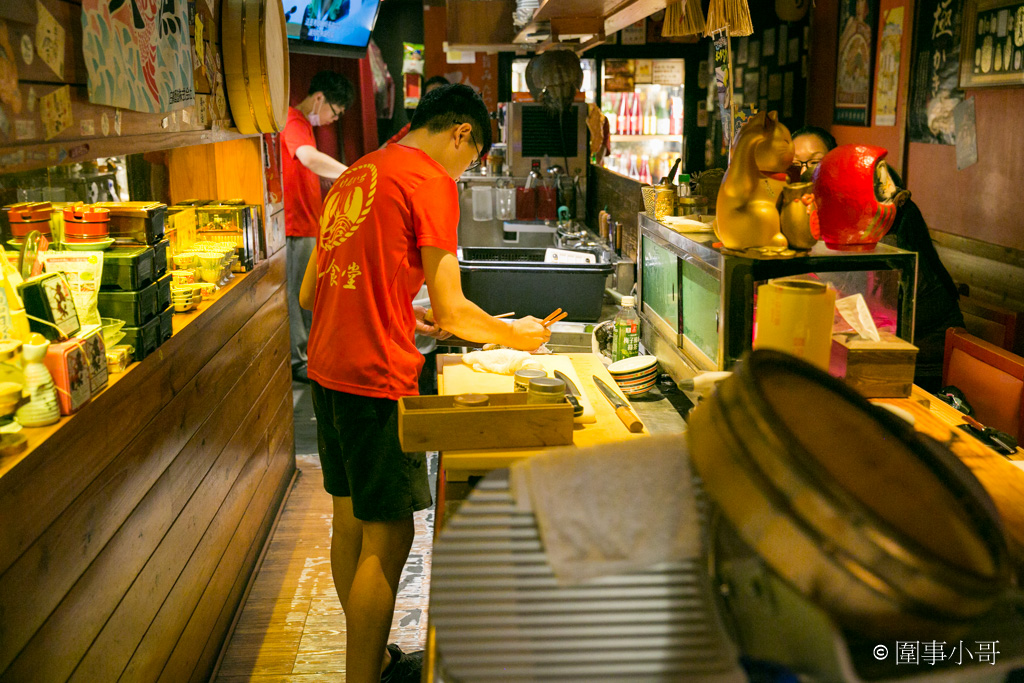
{"points": [[701, 302], [643, 100]]}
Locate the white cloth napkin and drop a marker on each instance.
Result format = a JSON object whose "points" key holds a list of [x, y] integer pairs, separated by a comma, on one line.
{"points": [[612, 509]]}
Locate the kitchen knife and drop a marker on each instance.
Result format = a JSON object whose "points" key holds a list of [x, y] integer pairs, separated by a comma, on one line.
{"points": [[571, 393], [622, 408]]}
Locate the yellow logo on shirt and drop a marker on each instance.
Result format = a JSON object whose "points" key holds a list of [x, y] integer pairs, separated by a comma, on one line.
{"points": [[347, 205]]}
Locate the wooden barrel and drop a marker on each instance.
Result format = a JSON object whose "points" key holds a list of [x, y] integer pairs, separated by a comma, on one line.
{"points": [[886, 530], [255, 48]]}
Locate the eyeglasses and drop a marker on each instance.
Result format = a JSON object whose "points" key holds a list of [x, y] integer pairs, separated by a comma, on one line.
{"points": [[337, 112], [807, 165], [476, 162]]}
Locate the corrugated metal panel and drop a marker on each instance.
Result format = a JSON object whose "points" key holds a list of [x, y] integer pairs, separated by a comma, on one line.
{"points": [[500, 615]]}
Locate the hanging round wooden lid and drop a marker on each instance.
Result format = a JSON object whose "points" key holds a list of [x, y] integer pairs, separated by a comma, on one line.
{"points": [[255, 47]]}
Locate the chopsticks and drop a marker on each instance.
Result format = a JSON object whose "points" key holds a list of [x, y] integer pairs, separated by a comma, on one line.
{"points": [[506, 315], [555, 316]]}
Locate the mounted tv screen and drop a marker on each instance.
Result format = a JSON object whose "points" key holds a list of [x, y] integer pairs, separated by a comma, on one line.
{"points": [[336, 28]]}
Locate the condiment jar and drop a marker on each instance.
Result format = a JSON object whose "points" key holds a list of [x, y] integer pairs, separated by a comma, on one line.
{"points": [[546, 390], [522, 378], [472, 400], [86, 223], [25, 217]]}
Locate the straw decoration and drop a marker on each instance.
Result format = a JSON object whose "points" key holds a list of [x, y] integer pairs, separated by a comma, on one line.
{"points": [[683, 18], [731, 15]]}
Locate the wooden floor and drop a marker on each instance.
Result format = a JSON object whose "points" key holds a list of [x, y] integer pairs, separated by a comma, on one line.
{"points": [[292, 627]]}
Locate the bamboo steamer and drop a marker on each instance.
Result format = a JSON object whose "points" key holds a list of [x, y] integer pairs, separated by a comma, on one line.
{"points": [[883, 528], [255, 47]]}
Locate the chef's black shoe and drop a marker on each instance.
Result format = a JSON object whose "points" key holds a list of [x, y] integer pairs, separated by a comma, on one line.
{"points": [[405, 667]]}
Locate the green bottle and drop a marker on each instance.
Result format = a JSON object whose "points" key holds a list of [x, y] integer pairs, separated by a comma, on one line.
{"points": [[626, 341]]}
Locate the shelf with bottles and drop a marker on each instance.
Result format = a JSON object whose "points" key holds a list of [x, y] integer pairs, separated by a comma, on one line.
{"points": [[642, 138], [650, 110]]}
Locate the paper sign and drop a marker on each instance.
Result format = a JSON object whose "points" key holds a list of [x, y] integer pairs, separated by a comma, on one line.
{"points": [[887, 79], [642, 72], [55, 108], [50, 40], [668, 72]]}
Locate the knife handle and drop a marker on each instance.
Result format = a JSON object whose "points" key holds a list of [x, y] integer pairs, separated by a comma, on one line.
{"points": [[631, 421], [577, 407]]}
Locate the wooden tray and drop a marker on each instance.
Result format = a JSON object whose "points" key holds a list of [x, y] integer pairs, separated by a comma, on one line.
{"points": [[434, 423]]}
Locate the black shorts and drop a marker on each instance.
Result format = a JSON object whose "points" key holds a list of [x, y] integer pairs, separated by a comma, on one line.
{"points": [[362, 458]]}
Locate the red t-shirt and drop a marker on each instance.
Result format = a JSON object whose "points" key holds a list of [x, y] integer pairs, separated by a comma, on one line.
{"points": [[376, 218], [400, 134], [302, 203]]}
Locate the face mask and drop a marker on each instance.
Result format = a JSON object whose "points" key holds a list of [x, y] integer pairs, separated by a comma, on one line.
{"points": [[314, 119]]}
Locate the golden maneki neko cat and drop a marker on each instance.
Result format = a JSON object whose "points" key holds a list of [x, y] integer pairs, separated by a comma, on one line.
{"points": [[748, 218]]}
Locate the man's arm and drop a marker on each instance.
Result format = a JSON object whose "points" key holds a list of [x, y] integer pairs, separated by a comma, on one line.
{"points": [[457, 314], [316, 161], [307, 292]]}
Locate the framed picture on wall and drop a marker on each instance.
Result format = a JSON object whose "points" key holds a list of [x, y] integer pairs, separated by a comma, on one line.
{"points": [[992, 50], [855, 62]]}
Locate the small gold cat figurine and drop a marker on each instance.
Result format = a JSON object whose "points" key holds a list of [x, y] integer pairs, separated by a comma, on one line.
{"points": [[748, 217]]}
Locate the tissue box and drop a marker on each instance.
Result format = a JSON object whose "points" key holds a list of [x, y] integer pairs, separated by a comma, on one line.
{"points": [[882, 369]]}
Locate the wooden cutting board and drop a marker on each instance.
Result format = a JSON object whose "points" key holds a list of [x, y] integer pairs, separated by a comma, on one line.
{"points": [[460, 378]]}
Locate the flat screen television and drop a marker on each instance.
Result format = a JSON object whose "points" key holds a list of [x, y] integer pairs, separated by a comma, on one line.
{"points": [[335, 28]]}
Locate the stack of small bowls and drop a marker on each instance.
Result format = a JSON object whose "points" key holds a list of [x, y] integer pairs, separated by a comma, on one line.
{"points": [[636, 375], [184, 297]]}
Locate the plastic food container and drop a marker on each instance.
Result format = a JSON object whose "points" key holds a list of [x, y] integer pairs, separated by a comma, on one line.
{"points": [[136, 222], [86, 223], [28, 216]]}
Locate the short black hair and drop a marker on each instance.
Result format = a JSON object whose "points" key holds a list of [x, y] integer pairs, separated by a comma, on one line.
{"points": [[451, 105], [819, 133], [336, 88], [435, 80]]}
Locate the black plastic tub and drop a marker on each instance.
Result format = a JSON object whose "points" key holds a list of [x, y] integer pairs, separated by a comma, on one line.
{"points": [[502, 279]]}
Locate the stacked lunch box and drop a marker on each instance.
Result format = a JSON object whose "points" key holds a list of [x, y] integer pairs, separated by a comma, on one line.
{"points": [[136, 286]]}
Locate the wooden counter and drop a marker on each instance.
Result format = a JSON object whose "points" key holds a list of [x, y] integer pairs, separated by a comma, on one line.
{"points": [[1000, 477], [456, 467], [131, 528]]}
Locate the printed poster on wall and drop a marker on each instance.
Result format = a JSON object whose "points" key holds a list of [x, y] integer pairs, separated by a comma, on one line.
{"points": [[888, 76], [854, 66], [723, 84], [138, 54], [935, 74]]}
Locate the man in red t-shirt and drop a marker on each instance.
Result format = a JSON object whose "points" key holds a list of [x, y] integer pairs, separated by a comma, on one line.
{"points": [[389, 223], [302, 167]]}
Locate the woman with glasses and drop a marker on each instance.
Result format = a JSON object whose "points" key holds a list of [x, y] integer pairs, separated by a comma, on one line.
{"points": [[811, 144]]}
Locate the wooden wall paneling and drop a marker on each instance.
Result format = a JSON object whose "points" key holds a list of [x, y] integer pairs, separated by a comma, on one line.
{"points": [[240, 170], [233, 530], [112, 649], [35, 487], [89, 604], [32, 587], [196, 651], [191, 173]]}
